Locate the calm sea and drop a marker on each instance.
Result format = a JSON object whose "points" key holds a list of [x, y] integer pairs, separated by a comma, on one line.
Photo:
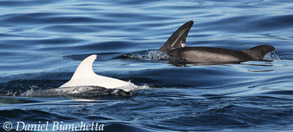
{"points": [[43, 41]]}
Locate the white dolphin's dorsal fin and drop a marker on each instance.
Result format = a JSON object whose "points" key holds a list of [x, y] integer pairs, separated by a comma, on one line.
{"points": [[85, 68], [85, 76]]}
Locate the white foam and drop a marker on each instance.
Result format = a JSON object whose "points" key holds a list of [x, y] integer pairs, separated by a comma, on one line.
{"points": [[271, 56], [151, 55]]}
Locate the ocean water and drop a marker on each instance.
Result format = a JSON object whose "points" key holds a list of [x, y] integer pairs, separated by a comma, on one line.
{"points": [[42, 42]]}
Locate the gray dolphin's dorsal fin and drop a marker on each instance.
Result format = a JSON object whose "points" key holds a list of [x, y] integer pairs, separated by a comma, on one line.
{"points": [[258, 52], [84, 75], [178, 38]]}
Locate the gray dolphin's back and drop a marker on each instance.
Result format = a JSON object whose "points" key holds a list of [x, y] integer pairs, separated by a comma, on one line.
{"points": [[209, 54]]}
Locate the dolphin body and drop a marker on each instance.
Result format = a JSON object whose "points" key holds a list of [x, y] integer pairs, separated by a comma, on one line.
{"points": [[175, 48]]}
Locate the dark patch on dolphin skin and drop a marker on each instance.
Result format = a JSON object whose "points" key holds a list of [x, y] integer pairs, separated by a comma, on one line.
{"points": [[175, 47], [78, 92]]}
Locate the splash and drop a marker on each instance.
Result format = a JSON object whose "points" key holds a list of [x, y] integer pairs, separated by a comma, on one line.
{"points": [[133, 87], [150, 55], [271, 56]]}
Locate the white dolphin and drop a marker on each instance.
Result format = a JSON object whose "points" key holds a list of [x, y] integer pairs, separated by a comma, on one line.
{"points": [[85, 76]]}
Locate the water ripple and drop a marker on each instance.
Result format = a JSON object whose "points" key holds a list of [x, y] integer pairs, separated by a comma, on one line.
{"points": [[42, 42]]}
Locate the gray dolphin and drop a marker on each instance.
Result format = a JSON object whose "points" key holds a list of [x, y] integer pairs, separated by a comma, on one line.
{"points": [[175, 48]]}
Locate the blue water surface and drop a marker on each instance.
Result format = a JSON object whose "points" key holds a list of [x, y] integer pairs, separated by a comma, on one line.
{"points": [[43, 41]]}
